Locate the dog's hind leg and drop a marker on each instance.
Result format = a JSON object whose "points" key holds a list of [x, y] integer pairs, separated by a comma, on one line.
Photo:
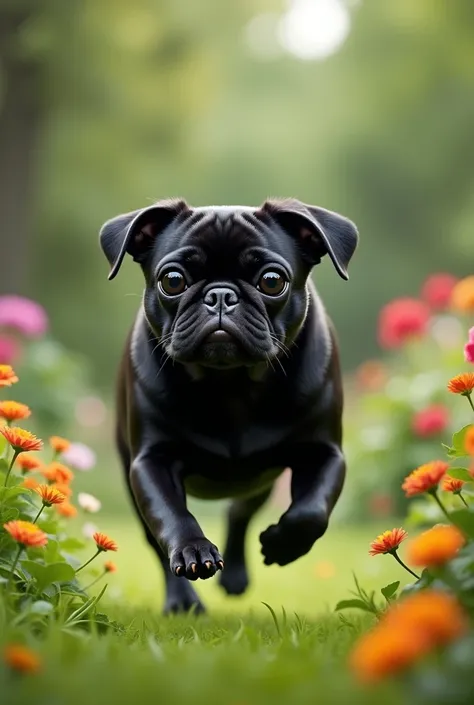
{"points": [[234, 578]]}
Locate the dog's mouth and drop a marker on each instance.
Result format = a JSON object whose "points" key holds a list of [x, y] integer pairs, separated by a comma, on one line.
{"points": [[220, 349]]}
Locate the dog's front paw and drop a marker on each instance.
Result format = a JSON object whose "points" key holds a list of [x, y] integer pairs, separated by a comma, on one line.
{"points": [[291, 538], [195, 558]]}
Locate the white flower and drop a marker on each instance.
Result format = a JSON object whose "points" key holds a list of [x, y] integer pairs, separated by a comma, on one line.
{"points": [[88, 502], [80, 457], [89, 529]]}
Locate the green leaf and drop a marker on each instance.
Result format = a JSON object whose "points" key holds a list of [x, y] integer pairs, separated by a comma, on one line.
{"points": [[45, 575], [3, 462], [51, 552], [464, 520], [389, 590], [7, 493], [460, 474], [352, 604], [458, 450], [72, 544]]}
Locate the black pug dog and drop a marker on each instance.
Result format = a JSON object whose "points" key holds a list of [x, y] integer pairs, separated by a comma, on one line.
{"points": [[230, 375]]}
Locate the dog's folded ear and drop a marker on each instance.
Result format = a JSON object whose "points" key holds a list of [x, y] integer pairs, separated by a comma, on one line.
{"points": [[134, 233], [317, 230]]}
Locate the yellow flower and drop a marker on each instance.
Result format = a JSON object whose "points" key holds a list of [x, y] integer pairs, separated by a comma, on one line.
{"points": [[13, 410], [7, 376], [435, 546], [21, 658], [26, 533], [20, 439], [50, 495]]}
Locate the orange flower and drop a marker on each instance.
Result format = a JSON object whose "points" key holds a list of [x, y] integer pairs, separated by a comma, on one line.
{"points": [[435, 546], [425, 478], [462, 297], [58, 473], [450, 484], [26, 533], [103, 542], [28, 462], [13, 410], [21, 440], [110, 567], [385, 651], [21, 658], [469, 441], [66, 509], [58, 444], [50, 495], [462, 384], [64, 489], [436, 613], [30, 483], [406, 632], [7, 376], [388, 542]]}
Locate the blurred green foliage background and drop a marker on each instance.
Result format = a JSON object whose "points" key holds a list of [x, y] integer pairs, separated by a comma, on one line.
{"points": [[105, 105]]}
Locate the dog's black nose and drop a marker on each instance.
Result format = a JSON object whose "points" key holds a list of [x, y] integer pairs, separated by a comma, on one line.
{"points": [[221, 299]]}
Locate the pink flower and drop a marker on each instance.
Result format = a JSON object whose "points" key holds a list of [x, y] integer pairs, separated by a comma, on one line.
{"points": [[430, 421], [23, 315], [79, 457], [437, 290], [9, 350], [402, 320], [469, 347]]}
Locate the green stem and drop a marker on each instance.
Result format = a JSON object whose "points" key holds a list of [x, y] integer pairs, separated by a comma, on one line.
{"points": [[468, 397], [39, 514], [398, 559], [89, 561], [463, 500], [15, 563], [96, 580], [15, 456], [434, 494]]}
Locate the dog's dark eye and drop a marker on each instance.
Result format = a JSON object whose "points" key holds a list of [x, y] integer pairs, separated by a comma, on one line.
{"points": [[272, 283], [172, 283]]}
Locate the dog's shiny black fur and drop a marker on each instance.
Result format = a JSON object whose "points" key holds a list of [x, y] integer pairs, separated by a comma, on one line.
{"points": [[225, 383]]}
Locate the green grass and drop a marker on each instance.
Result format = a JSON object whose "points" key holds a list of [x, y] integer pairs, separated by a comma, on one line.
{"points": [[236, 655]]}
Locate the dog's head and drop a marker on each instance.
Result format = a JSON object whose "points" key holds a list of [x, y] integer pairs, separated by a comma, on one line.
{"points": [[226, 286]]}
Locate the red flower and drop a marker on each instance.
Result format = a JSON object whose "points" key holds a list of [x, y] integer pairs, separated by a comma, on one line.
{"points": [[402, 320], [103, 542], [462, 384], [388, 542], [450, 484], [437, 290], [430, 421], [20, 439], [425, 478]]}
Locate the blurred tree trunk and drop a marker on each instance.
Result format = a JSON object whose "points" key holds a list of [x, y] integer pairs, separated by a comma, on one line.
{"points": [[20, 119]]}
